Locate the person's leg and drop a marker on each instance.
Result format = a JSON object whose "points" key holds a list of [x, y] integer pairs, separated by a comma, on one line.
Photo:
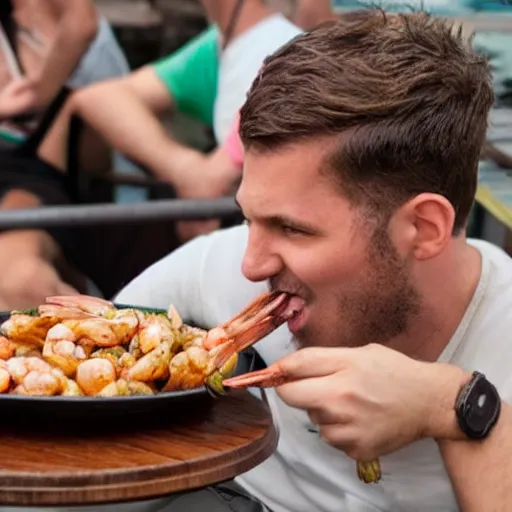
{"points": [[28, 260]]}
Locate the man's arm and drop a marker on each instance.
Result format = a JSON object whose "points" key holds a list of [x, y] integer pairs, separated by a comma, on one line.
{"points": [[77, 28], [357, 399], [480, 471]]}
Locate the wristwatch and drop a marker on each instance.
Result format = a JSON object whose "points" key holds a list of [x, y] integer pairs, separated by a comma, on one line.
{"points": [[478, 407]]}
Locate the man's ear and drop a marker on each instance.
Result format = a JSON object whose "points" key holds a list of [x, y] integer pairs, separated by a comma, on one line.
{"points": [[425, 225]]}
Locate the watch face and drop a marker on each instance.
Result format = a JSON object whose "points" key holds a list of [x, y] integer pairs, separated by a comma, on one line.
{"points": [[480, 407]]}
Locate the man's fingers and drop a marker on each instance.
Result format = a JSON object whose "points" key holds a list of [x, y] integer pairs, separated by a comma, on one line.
{"points": [[325, 417], [315, 362], [307, 394], [343, 437]]}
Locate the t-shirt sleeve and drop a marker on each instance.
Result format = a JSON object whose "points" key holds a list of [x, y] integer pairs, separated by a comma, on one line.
{"points": [[190, 75]]}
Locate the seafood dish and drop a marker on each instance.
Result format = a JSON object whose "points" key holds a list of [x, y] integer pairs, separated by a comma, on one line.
{"points": [[86, 346]]}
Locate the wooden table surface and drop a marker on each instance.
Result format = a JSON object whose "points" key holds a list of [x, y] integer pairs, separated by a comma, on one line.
{"points": [[40, 468]]}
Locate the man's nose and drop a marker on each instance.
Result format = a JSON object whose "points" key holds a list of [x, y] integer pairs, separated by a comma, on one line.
{"points": [[260, 261]]}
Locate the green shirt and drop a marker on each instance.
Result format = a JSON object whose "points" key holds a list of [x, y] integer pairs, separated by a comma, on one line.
{"points": [[190, 75]]}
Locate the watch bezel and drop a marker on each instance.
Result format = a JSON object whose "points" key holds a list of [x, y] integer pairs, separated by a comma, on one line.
{"points": [[463, 405]]}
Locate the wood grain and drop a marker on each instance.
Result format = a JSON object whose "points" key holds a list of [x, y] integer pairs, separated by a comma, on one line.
{"points": [[45, 468]]}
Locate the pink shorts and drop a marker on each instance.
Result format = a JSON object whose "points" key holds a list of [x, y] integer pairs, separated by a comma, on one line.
{"points": [[233, 144]]}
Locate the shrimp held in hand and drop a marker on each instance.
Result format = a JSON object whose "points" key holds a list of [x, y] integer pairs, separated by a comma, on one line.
{"points": [[212, 357]]}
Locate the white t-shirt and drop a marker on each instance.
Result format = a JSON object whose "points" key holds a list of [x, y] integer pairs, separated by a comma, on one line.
{"points": [[203, 279], [239, 65]]}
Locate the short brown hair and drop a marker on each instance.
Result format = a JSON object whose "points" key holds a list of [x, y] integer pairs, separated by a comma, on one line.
{"points": [[403, 97]]}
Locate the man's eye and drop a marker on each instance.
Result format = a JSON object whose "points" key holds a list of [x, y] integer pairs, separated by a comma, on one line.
{"points": [[289, 230]]}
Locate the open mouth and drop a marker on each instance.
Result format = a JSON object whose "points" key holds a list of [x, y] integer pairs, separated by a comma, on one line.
{"points": [[291, 310]]}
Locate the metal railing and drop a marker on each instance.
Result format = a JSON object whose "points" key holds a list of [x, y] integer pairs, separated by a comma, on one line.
{"points": [[88, 215]]}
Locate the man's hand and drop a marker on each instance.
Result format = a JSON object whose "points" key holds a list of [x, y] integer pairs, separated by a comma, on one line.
{"points": [[18, 97], [371, 401]]}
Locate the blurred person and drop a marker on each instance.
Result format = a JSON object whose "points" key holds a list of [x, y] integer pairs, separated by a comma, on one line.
{"points": [[47, 46], [51, 43], [362, 142], [170, 83], [179, 74], [206, 79]]}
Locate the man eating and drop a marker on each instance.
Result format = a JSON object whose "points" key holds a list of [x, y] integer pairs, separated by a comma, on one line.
{"points": [[361, 148]]}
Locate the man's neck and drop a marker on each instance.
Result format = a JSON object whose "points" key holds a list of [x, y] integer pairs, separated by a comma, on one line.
{"points": [[447, 289]]}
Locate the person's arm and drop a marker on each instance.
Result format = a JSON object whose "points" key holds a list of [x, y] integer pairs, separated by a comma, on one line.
{"points": [[124, 112], [481, 472], [76, 29], [372, 400]]}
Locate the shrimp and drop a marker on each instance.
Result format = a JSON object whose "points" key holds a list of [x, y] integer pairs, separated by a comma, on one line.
{"points": [[26, 329], [123, 387], [5, 377], [62, 350], [84, 303], [93, 375], [155, 329], [105, 333], [7, 348], [152, 366], [33, 376]]}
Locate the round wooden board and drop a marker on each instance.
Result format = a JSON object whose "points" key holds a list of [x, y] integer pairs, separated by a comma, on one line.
{"points": [[39, 468]]}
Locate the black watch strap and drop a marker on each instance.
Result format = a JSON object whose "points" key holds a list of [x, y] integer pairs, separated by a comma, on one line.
{"points": [[478, 407]]}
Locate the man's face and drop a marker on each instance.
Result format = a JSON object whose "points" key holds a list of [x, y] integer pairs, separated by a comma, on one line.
{"points": [[352, 287]]}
